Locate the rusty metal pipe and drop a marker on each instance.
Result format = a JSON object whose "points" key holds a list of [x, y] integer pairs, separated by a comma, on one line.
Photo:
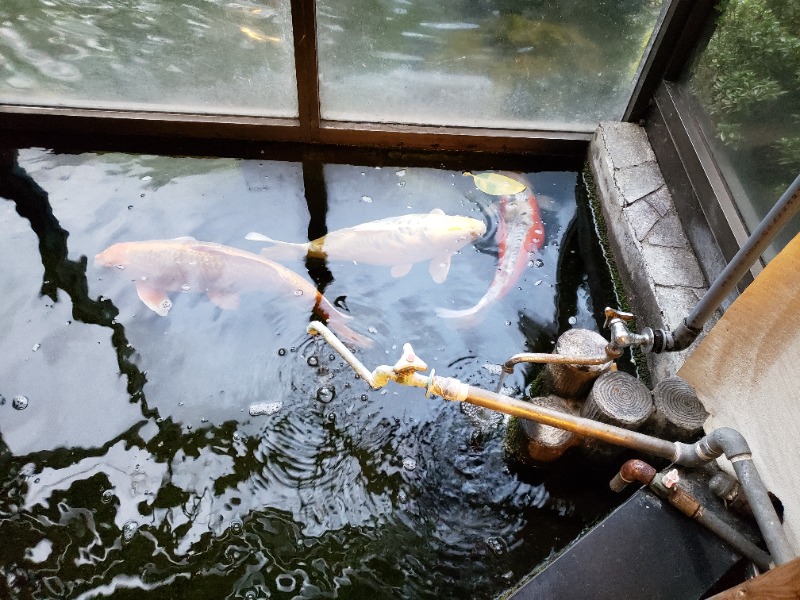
{"points": [[642, 472], [633, 470]]}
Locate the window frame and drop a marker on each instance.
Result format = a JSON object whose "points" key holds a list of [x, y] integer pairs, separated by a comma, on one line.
{"points": [[36, 124]]}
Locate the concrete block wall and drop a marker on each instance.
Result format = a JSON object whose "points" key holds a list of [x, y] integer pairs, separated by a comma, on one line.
{"points": [[659, 270]]}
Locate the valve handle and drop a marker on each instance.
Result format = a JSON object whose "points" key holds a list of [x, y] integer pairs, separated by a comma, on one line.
{"points": [[615, 313]]}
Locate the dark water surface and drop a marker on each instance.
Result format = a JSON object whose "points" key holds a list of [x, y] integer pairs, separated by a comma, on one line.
{"points": [[136, 470]]}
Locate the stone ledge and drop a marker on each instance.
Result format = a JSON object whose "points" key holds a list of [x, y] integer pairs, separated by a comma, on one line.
{"points": [[659, 270]]}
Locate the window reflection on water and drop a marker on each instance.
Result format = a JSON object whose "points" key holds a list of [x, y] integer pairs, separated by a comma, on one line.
{"points": [[198, 56], [494, 63]]}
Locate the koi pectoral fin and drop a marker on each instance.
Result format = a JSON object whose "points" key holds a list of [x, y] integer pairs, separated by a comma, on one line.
{"points": [[154, 299], [439, 267], [225, 300], [401, 270]]}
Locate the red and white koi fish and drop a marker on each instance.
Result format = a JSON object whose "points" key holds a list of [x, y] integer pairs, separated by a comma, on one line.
{"points": [[520, 231], [398, 242], [220, 272]]}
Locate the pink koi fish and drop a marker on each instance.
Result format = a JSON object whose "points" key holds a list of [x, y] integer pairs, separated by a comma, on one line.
{"points": [[220, 272], [520, 231]]}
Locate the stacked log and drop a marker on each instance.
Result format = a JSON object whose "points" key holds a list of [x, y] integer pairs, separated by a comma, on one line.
{"points": [[534, 443], [574, 381], [619, 399], [679, 415]]}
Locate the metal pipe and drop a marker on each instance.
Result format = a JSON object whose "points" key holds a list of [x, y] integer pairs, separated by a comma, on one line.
{"points": [[544, 358], [732, 444], [683, 336], [720, 441], [638, 470]]}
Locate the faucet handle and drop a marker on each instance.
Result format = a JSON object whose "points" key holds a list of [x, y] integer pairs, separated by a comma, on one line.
{"points": [[409, 361], [615, 313]]}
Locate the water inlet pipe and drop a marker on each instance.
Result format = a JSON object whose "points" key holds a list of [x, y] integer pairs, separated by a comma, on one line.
{"points": [[544, 357], [763, 235], [721, 441], [667, 488]]}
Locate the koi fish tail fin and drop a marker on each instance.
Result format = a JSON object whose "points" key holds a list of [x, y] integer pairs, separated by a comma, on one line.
{"points": [[347, 335], [278, 250], [469, 316]]}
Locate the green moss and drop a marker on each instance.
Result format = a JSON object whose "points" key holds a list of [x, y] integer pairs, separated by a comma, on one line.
{"points": [[642, 372]]}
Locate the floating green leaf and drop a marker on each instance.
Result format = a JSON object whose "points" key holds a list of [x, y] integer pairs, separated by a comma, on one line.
{"points": [[495, 184]]}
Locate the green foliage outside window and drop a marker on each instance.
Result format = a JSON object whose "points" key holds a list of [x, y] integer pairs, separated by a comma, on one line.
{"points": [[748, 78]]}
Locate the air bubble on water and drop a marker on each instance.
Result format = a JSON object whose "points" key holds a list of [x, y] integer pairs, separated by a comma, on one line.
{"points": [[572, 320], [281, 351], [372, 330], [250, 595], [237, 527], [186, 287], [401, 183], [508, 322], [189, 427], [298, 292], [237, 437], [312, 361], [496, 545], [366, 199], [264, 408], [20, 402], [331, 418], [36, 347], [409, 464], [203, 420], [401, 173], [129, 530], [120, 267], [292, 349], [537, 282], [285, 583], [538, 263], [364, 397], [146, 178], [107, 496], [326, 393]]}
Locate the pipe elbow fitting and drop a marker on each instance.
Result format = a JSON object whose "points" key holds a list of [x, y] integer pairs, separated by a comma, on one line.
{"points": [[633, 470]]}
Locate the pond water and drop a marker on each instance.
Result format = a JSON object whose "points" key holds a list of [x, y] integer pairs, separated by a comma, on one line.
{"points": [[130, 463]]}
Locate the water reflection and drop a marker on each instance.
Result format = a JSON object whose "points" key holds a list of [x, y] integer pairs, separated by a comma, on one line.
{"points": [[330, 489]]}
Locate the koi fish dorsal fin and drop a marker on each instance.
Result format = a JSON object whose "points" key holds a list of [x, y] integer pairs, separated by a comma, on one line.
{"points": [[437, 211], [439, 267]]}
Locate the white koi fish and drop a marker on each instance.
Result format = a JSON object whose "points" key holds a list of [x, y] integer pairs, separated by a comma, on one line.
{"points": [[398, 242], [520, 231], [221, 272]]}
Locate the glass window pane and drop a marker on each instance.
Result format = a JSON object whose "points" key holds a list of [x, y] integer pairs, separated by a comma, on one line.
{"points": [[745, 85], [208, 56], [484, 63]]}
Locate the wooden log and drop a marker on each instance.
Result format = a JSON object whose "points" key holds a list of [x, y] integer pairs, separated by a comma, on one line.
{"points": [[679, 415], [620, 399], [575, 381], [533, 443]]}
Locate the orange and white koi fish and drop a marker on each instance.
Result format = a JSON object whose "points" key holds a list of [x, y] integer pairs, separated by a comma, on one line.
{"points": [[221, 272], [398, 242], [520, 231]]}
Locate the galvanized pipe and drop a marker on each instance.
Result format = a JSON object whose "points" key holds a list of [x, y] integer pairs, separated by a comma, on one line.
{"points": [[732, 444], [683, 336]]}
